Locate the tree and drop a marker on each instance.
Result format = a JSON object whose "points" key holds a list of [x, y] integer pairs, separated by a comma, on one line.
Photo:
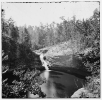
{"points": [[4, 23], [27, 40], [13, 30]]}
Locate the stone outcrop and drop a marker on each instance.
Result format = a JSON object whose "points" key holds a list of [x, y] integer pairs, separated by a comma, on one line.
{"points": [[82, 93]]}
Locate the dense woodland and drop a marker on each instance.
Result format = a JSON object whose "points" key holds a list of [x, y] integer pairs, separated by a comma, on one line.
{"points": [[21, 41], [47, 35]]}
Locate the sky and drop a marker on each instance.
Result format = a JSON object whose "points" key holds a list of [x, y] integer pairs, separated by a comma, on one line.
{"points": [[35, 13]]}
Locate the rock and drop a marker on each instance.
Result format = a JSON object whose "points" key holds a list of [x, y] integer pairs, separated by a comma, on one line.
{"points": [[82, 93], [32, 95], [78, 93]]}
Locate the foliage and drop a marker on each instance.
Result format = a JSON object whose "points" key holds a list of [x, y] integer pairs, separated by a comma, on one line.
{"points": [[90, 38], [28, 81], [19, 74], [18, 78], [93, 64], [91, 61], [93, 86], [85, 32], [19, 42]]}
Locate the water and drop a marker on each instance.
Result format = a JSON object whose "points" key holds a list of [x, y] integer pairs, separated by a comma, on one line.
{"points": [[59, 84]]}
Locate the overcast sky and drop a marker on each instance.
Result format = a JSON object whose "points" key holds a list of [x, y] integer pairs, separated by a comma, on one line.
{"points": [[36, 13]]}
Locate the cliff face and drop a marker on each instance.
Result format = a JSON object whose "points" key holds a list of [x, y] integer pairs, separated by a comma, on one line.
{"points": [[69, 58], [66, 54]]}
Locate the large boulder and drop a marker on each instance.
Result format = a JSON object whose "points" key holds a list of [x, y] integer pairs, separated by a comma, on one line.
{"points": [[82, 93]]}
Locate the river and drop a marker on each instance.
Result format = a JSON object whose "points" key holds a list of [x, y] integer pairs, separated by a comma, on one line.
{"points": [[59, 84]]}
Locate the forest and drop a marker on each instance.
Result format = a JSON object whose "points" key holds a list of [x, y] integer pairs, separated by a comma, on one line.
{"points": [[19, 60]]}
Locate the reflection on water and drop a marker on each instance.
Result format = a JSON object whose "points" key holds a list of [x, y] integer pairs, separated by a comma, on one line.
{"points": [[48, 88], [59, 84], [45, 74]]}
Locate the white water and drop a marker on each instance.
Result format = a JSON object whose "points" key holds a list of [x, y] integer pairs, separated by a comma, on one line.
{"points": [[44, 63], [47, 88], [44, 76]]}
